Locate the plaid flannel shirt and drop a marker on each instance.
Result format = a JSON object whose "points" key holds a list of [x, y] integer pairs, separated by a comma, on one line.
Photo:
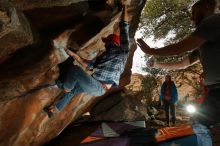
{"points": [[111, 65]]}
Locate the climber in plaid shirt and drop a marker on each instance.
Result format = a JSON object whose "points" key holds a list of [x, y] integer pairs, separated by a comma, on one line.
{"points": [[111, 64], [109, 67]]}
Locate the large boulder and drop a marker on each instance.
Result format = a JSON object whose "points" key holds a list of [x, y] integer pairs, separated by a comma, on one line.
{"points": [[26, 74], [119, 106], [15, 30]]}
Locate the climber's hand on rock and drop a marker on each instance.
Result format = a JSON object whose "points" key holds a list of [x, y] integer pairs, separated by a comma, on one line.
{"points": [[71, 53]]}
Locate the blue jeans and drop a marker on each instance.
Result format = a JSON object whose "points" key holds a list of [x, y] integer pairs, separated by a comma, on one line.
{"points": [[78, 81], [170, 108], [203, 134]]}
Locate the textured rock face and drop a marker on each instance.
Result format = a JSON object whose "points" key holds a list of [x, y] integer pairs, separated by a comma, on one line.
{"points": [[14, 27], [135, 83], [120, 106], [30, 50], [26, 4]]}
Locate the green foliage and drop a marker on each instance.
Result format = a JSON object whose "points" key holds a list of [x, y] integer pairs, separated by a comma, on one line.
{"points": [[163, 17], [155, 71], [198, 90], [149, 85], [190, 77], [169, 20]]}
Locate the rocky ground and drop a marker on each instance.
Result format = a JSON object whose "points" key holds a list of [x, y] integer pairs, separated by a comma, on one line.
{"points": [[71, 135]]}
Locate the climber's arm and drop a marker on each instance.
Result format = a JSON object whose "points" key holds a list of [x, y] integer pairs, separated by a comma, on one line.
{"points": [[189, 60], [83, 62]]}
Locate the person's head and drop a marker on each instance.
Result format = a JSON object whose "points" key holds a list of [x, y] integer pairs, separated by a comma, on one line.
{"points": [[202, 9], [167, 78], [111, 40]]}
